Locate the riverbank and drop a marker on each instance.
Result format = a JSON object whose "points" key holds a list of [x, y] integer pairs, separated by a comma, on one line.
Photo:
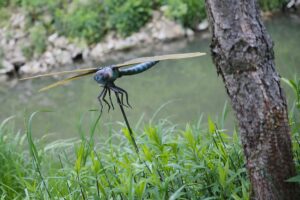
{"points": [[30, 51], [61, 51]]}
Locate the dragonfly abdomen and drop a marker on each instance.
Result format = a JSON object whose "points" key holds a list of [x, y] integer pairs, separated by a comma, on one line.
{"points": [[137, 68]]}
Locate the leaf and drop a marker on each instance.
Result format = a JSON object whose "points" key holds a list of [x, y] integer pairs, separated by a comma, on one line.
{"points": [[211, 125], [177, 194], [295, 179], [290, 83]]}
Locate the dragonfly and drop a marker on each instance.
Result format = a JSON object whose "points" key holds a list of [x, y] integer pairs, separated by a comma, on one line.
{"points": [[105, 76]]}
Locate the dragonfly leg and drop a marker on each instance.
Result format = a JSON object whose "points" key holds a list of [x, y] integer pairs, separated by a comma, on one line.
{"points": [[123, 92], [109, 93], [119, 92], [99, 99], [103, 98]]}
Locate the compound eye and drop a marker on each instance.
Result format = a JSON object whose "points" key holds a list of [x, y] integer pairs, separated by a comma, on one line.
{"points": [[97, 78]]}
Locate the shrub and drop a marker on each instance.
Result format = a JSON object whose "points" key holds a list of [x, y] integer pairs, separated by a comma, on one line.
{"points": [[4, 3], [82, 21], [38, 38], [128, 16], [269, 5], [189, 13]]}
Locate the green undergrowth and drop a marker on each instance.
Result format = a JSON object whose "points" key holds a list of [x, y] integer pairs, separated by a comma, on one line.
{"points": [[198, 162], [193, 163]]}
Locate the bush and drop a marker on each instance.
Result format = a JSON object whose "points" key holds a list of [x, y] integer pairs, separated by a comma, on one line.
{"points": [[128, 16], [82, 21], [4, 3], [269, 5], [38, 38], [189, 13]]}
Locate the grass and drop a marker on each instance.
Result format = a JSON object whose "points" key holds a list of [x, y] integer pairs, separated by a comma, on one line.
{"points": [[198, 162], [194, 163]]}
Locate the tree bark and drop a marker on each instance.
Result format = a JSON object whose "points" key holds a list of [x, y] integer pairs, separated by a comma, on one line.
{"points": [[243, 54]]}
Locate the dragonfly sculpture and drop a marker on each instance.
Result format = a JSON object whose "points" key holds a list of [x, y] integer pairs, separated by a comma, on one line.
{"points": [[106, 76]]}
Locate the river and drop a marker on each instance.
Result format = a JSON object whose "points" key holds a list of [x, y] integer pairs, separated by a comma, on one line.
{"points": [[179, 91]]}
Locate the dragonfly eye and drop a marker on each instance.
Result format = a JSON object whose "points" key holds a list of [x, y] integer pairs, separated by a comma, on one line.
{"points": [[97, 78]]}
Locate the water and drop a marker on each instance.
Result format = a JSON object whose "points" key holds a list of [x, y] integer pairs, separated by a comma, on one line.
{"points": [[180, 91]]}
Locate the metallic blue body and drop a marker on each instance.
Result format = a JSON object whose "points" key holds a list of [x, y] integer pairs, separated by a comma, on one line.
{"points": [[107, 75], [137, 68]]}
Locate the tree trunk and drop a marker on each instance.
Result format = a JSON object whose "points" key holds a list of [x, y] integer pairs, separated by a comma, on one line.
{"points": [[243, 54]]}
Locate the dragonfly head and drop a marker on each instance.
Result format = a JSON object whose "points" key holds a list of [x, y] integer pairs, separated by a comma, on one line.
{"points": [[106, 75]]}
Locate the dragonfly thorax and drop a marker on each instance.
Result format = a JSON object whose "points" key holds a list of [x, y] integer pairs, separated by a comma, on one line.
{"points": [[106, 75]]}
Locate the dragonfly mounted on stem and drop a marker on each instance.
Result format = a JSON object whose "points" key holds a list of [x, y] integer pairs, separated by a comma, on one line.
{"points": [[106, 76]]}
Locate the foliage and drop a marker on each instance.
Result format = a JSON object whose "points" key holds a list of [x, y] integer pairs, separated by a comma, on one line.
{"points": [[38, 38], [192, 163], [4, 3], [269, 5], [295, 86], [4, 16], [128, 16], [13, 167], [82, 20], [37, 45], [189, 13]]}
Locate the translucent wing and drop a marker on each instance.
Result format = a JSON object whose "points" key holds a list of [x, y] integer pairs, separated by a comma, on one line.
{"points": [[159, 58], [87, 70], [64, 81]]}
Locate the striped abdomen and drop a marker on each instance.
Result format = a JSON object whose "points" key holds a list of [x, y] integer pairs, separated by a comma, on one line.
{"points": [[137, 68]]}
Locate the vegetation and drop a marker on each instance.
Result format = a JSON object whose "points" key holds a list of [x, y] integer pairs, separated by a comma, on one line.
{"points": [[195, 163], [269, 5], [91, 19]]}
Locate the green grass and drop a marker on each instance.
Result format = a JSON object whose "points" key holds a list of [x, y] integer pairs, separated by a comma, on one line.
{"points": [[201, 161]]}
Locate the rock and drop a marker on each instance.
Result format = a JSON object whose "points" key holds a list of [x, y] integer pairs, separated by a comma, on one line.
{"points": [[7, 66], [48, 58], [52, 38], [143, 37], [18, 20], [30, 68], [74, 50], [18, 57], [11, 43], [97, 52], [19, 34], [293, 3], [86, 54], [61, 42], [3, 78], [165, 30], [189, 33], [203, 25], [126, 44], [62, 57]]}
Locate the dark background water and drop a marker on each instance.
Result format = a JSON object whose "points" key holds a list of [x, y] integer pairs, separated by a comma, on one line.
{"points": [[181, 91]]}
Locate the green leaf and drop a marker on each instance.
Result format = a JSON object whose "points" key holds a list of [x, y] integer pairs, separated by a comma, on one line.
{"points": [[211, 125], [295, 179], [177, 194]]}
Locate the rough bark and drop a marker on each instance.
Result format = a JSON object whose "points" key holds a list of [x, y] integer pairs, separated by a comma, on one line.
{"points": [[243, 54]]}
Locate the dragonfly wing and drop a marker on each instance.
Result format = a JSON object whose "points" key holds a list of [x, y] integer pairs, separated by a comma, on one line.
{"points": [[159, 58], [88, 70], [64, 81]]}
